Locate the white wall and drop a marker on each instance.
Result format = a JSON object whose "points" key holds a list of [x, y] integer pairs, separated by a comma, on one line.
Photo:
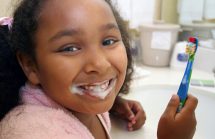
{"points": [[209, 9], [143, 11], [6, 7], [190, 10], [137, 11]]}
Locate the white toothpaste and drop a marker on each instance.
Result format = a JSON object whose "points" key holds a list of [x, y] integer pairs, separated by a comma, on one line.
{"points": [[96, 90]]}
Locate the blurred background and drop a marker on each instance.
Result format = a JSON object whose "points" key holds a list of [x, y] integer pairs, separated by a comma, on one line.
{"points": [[160, 28]]}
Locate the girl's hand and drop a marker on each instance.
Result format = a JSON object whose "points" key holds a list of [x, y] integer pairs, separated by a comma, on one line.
{"points": [[131, 111], [182, 125]]}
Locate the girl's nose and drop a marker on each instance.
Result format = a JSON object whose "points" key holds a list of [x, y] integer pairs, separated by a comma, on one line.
{"points": [[97, 62]]}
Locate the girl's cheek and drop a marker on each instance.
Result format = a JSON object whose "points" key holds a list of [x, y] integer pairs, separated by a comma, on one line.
{"points": [[121, 60]]}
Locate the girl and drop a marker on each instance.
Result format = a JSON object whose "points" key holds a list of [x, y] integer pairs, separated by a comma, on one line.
{"points": [[75, 57]]}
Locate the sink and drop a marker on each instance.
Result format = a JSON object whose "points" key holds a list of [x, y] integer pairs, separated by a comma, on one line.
{"points": [[154, 99]]}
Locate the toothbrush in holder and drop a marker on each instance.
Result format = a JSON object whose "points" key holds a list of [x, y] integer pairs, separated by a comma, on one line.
{"points": [[183, 88]]}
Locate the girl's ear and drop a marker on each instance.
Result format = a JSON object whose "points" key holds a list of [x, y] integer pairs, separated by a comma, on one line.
{"points": [[29, 67]]}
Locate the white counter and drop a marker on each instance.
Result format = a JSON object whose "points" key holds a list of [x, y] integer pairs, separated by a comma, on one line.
{"points": [[167, 76], [153, 89]]}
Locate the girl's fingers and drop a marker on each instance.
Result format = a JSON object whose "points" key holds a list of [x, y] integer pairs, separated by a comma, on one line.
{"points": [[129, 113], [190, 104], [172, 106], [138, 121]]}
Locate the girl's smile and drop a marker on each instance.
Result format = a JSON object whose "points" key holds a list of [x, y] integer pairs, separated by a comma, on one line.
{"points": [[97, 90]]}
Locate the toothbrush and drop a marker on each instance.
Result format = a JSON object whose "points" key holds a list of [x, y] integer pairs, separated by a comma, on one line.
{"points": [[183, 88]]}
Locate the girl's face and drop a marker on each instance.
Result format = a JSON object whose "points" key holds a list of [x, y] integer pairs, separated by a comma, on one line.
{"points": [[81, 59]]}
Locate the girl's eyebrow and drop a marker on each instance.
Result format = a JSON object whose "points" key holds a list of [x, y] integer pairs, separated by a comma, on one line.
{"points": [[109, 26], [63, 33], [71, 32]]}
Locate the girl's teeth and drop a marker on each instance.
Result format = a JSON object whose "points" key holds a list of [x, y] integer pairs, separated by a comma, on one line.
{"points": [[97, 90], [96, 87], [103, 86], [91, 88]]}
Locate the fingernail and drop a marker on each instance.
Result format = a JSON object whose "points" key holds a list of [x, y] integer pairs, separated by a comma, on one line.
{"points": [[131, 116], [174, 97], [133, 121]]}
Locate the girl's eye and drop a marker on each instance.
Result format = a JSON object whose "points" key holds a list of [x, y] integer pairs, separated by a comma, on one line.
{"points": [[69, 49], [107, 42]]}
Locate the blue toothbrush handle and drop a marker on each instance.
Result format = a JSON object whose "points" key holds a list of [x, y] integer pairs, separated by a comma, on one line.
{"points": [[184, 86]]}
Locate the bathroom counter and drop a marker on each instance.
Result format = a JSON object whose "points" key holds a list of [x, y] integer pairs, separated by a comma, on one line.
{"points": [[167, 76], [153, 87]]}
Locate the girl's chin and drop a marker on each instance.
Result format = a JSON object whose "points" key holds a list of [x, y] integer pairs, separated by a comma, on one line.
{"points": [[97, 108]]}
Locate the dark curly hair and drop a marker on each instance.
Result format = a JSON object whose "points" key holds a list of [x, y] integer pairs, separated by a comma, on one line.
{"points": [[21, 39]]}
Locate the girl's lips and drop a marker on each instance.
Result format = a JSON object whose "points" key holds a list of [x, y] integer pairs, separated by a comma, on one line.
{"points": [[102, 85], [99, 90]]}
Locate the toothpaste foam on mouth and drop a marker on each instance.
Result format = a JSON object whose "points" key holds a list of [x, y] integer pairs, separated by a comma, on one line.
{"points": [[97, 90]]}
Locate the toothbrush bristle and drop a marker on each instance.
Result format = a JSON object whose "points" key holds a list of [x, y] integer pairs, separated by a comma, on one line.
{"points": [[192, 39], [191, 46]]}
